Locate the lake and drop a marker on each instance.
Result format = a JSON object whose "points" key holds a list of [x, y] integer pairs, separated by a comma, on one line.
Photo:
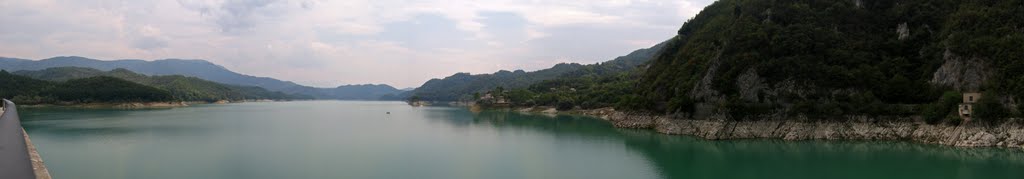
{"points": [[352, 139]]}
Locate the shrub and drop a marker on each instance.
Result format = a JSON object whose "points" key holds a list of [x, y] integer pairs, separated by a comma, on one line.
{"points": [[564, 105], [988, 109], [934, 113]]}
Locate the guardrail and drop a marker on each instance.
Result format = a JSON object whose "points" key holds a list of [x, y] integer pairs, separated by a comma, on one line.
{"points": [[15, 161]]}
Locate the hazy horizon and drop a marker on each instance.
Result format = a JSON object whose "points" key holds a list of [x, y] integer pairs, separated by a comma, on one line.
{"points": [[331, 43]]}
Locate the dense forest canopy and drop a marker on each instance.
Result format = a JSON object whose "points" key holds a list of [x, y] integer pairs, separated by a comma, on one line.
{"points": [[462, 86], [25, 90], [105, 89], [87, 85], [831, 58], [181, 87]]}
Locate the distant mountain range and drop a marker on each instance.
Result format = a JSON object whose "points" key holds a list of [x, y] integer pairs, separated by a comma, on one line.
{"points": [[204, 70], [461, 86], [452, 88], [349, 92], [180, 87]]}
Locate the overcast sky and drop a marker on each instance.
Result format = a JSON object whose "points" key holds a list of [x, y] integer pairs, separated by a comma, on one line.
{"points": [[327, 43]]}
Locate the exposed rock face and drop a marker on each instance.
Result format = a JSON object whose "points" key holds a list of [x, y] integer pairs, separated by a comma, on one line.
{"points": [[703, 90], [965, 74], [750, 84], [904, 31], [767, 16], [1010, 134]]}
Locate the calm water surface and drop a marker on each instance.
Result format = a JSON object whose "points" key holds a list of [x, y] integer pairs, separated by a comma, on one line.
{"points": [[339, 139]]}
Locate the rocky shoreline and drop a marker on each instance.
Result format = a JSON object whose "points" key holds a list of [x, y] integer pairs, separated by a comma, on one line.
{"points": [[1008, 135]]}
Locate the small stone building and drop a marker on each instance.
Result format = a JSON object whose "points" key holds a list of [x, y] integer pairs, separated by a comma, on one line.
{"points": [[967, 107], [493, 99], [971, 98]]}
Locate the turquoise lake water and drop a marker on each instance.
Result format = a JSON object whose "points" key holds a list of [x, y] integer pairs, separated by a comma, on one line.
{"points": [[351, 139]]}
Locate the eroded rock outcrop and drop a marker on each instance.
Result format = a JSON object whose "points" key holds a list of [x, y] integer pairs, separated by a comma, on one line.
{"points": [[961, 73], [903, 30], [1009, 134]]}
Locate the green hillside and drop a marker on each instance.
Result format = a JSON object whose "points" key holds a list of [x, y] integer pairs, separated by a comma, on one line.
{"points": [[462, 86], [25, 90], [200, 69], [181, 87], [14, 85], [105, 89], [749, 60], [593, 86], [828, 59]]}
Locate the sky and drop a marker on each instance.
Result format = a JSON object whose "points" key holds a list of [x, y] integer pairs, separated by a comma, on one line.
{"points": [[326, 43]]}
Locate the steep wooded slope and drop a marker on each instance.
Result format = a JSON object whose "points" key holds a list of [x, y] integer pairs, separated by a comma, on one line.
{"points": [[825, 58]]}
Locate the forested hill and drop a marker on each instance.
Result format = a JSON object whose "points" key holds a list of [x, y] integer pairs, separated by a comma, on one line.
{"points": [[462, 86], [182, 88], [25, 90], [829, 58], [194, 68], [817, 59], [352, 92], [200, 69]]}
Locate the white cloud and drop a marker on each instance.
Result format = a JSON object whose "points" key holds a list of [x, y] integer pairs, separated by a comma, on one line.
{"points": [[333, 42]]}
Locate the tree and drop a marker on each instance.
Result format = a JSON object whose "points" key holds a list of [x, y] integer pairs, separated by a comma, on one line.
{"points": [[988, 109], [498, 91], [935, 112]]}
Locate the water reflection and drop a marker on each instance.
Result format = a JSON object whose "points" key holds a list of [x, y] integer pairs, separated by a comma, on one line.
{"points": [[331, 139], [77, 123], [688, 157], [558, 125], [53, 114]]}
